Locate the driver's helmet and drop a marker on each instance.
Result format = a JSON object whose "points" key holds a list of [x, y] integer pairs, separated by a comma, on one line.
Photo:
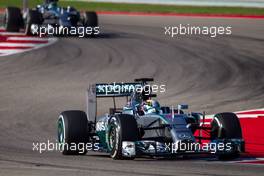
{"points": [[151, 106]]}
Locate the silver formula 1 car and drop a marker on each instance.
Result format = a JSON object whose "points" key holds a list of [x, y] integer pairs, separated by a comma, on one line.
{"points": [[144, 128], [48, 13]]}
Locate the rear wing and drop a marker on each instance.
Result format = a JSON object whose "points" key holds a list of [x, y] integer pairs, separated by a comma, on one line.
{"points": [[115, 89], [104, 90]]}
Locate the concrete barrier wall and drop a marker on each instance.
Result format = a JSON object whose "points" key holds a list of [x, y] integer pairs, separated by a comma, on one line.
{"points": [[239, 3]]}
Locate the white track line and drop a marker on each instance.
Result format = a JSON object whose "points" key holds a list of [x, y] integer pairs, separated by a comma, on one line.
{"points": [[249, 115], [27, 38], [244, 161], [252, 110], [10, 51], [17, 44]]}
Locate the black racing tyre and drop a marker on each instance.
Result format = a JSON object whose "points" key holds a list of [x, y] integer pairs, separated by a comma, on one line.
{"points": [[231, 128], [90, 19], [13, 20], [73, 131], [32, 17], [122, 127], [226, 126]]}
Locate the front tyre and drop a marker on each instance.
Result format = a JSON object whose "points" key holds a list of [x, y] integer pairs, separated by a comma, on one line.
{"points": [[73, 132], [13, 20], [225, 127], [122, 127]]}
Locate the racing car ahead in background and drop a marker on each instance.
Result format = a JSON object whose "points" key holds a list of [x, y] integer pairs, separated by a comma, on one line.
{"points": [[48, 13], [144, 128]]}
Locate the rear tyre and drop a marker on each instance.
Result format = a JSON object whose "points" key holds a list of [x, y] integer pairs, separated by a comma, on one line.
{"points": [[122, 127], [90, 19], [226, 126], [13, 20], [32, 17], [73, 132]]}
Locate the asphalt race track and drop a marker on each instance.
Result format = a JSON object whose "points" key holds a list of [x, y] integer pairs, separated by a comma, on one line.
{"points": [[212, 74]]}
